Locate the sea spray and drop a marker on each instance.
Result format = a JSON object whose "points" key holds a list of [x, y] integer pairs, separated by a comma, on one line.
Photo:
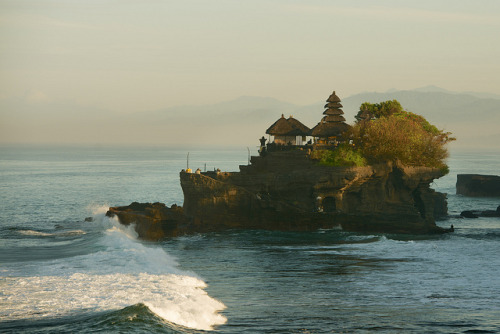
{"points": [[119, 272], [177, 299]]}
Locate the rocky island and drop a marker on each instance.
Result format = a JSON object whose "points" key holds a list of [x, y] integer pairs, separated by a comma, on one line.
{"points": [[476, 185], [292, 186]]}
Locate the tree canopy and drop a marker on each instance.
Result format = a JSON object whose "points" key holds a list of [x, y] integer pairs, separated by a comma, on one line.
{"points": [[386, 132], [369, 110], [396, 134]]}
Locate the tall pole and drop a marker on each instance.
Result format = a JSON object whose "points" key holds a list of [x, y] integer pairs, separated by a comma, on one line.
{"points": [[187, 162], [248, 155]]}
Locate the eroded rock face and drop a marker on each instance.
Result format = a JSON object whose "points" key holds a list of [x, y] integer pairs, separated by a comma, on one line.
{"points": [[152, 221], [288, 191], [476, 185]]}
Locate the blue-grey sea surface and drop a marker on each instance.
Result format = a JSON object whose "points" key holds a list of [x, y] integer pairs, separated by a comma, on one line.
{"points": [[62, 274]]}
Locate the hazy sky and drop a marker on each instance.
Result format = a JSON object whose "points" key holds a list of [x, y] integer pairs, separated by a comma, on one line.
{"points": [[139, 55]]}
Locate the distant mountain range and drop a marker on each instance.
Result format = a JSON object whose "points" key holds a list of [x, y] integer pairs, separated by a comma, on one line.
{"points": [[435, 89], [472, 117]]}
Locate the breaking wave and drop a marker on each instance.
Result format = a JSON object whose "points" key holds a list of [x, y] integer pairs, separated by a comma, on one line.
{"points": [[119, 272]]}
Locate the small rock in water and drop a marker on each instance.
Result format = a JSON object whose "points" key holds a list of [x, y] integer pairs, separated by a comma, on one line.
{"points": [[89, 219], [482, 213], [468, 214]]}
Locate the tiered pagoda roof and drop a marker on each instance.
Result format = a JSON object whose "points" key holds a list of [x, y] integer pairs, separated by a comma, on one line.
{"points": [[333, 123]]}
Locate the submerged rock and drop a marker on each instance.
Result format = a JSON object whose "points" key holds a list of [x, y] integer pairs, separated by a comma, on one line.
{"points": [[476, 185]]}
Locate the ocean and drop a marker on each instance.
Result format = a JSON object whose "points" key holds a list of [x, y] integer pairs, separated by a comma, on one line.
{"points": [[62, 272]]}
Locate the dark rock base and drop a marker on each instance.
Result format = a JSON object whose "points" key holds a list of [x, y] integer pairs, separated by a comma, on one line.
{"points": [[476, 185], [152, 221], [480, 213], [156, 221]]}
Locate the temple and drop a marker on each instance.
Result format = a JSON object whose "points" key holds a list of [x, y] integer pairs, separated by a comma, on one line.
{"points": [[290, 132], [289, 189], [331, 127]]}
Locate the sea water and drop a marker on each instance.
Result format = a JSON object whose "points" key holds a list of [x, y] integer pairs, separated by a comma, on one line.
{"points": [[62, 274]]}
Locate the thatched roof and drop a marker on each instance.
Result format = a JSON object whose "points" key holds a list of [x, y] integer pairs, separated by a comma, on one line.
{"points": [[333, 105], [329, 129], [333, 118], [331, 125], [333, 98], [288, 127], [300, 129], [332, 111], [281, 126]]}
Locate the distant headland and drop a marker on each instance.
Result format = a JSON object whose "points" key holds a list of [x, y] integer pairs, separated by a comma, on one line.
{"points": [[373, 176]]}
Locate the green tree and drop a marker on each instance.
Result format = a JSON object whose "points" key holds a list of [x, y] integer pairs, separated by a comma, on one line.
{"points": [[369, 111], [394, 134]]}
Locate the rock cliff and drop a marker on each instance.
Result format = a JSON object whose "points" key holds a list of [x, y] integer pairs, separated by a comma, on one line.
{"points": [[289, 191]]}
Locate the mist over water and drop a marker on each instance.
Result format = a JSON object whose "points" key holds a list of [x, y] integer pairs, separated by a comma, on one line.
{"points": [[59, 273]]}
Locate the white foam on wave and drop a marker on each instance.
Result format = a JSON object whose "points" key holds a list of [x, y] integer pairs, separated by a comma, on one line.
{"points": [[56, 234], [178, 299], [98, 209], [72, 232], [35, 233], [120, 273]]}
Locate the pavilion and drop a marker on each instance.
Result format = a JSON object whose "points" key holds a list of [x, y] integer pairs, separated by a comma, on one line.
{"points": [[288, 131]]}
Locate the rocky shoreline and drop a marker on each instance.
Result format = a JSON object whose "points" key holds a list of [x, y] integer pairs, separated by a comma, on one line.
{"points": [[288, 191]]}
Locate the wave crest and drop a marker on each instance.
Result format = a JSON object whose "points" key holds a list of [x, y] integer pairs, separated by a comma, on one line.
{"points": [[120, 271], [176, 298]]}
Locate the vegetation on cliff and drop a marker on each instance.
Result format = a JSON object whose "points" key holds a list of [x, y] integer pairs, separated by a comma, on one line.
{"points": [[344, 155], [386, 132]]}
